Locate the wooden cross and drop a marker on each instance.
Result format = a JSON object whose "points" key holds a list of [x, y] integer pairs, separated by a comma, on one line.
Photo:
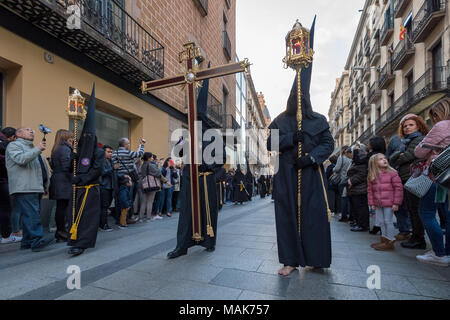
{"points": [[190, 80]]}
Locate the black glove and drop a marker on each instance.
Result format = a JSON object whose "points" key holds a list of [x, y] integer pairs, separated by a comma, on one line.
{"points": [[298, 137], [303, 162], [76, 180]]}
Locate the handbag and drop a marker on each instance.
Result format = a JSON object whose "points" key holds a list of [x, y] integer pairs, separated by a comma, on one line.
{"points": [[440, 165], [150, 183], [419, 185]]}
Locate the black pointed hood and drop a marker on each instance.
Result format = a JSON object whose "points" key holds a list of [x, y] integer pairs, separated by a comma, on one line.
{"points": [[305, 85], [88, 138], [202, 102], [249, 172]]}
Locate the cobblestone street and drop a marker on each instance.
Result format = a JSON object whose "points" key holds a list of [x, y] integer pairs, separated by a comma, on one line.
{"points": [[132, 264]]}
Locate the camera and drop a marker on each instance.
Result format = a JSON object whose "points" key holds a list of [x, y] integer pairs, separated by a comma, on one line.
{"points": [[45, 130]]}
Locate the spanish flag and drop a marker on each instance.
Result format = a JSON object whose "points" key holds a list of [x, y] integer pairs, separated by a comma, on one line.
{"points": [[402, 32]]}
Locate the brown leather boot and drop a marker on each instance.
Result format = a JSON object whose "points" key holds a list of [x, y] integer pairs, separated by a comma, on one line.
{"points": [[386, 246], [123, 218], [373, 245]]}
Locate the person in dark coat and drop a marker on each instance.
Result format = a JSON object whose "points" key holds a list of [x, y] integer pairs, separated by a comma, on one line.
{"points": [[262, 186], [61, 163], [109, 176], [229, 185], [220, 177], [240, 194], [311, 245], [207, 172], [248, 181], [90, 163]]}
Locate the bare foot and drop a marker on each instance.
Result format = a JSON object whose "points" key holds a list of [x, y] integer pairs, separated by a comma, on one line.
{"points": [[285, 271]]}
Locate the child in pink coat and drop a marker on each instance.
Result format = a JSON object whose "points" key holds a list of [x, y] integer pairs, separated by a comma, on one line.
{"points": [[385, 195]]}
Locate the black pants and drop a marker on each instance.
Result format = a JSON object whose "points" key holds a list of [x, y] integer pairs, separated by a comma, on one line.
{"points": [[61, 214], [360, 210], [106, 197], [412, 202], [5, 210], [175, 196]]}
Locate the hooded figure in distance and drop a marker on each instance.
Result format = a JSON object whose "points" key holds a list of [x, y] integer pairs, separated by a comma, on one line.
{"points": [[312, 245], [90, 158]]}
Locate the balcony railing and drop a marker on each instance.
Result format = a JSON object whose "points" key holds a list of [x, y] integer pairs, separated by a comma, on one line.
{"points": [[404, 50], [363, 105], [374, 92], [386, 76], [106, 34], [375, 53], [214, 112], [366, 72], [400, 6], [430, 83], [387, 30], [356, 115], [229, 122], [366, 134], [202, 6], [360, 85], [429, 15], [227, 45]]}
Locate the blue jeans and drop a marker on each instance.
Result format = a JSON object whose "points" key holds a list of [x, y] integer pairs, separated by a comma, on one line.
{"points": [[166, 198], [427, 213], [344, 201], [28, 207], [402, 215], [15, 216]]}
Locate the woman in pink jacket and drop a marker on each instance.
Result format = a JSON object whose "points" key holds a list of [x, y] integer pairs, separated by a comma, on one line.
{"points": [[385, 195], [438, 136]]}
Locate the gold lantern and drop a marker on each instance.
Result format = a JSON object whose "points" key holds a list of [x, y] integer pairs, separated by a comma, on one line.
{"points": [[75, 106], [299, 55], [298, 51]]}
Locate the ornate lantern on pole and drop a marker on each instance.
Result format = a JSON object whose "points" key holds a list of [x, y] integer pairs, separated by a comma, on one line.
{"points": [[77, 112], [299, 55]]}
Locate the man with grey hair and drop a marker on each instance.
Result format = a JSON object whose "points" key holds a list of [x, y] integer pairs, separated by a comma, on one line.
{"points": [[28, 180], [126, 160]]}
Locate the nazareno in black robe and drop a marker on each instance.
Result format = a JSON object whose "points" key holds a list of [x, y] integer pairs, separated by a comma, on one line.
{"points": [[239, 192], [220, 176], [248, 181], [313, 246], [184, 233], [262, 186]]}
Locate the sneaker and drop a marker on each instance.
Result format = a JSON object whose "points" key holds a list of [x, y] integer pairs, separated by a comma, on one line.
{"points": [[157, 217], [433, 259], [123, 227], [16, 238], [106, 228], [7, 240]]}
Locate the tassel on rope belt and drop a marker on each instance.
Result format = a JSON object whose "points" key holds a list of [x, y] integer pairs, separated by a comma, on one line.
{"points": [[209, 228], [74, 229]]}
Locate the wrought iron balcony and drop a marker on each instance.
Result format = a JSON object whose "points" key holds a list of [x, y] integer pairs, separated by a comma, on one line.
{"points": [[107, 34], [374, 92], [227, 45], [360, 85], [202, 6], [356, 115], [214, 112], [363, 105], [400, 7], [404, 50], [229, 122], [375, 53], [366, 72], [430, 87], [387, 30], [429, 15], [367, 45], [386, 76]]}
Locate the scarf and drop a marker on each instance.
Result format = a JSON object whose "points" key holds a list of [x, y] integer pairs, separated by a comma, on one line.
{"points": [[407, 139]]}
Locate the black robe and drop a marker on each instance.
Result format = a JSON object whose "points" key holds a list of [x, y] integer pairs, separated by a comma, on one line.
{"points": [[313, 246], [239, 187], [90, 218], [262, 186], [248, 181], [220, 177], [184, 233]]}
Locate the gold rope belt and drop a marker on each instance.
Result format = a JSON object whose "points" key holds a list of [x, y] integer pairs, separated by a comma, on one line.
{"points": [[74, 229], [209, 228]]}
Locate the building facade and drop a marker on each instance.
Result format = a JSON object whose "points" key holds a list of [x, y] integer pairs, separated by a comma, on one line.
{"points": [[398, 64], [51, 47]]}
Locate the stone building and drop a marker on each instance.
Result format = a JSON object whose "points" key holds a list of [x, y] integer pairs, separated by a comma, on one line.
{"points": [[398, 64]]}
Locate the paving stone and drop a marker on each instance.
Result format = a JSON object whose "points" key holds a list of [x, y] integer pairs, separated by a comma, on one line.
{"points": [[432, 288], [253, 281], [389, 295], [260, 253], [250, 295], [322, 290], [190, 290], [86, 293]]}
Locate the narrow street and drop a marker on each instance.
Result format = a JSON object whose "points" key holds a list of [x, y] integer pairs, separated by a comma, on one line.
{"points": [[132, 264]]}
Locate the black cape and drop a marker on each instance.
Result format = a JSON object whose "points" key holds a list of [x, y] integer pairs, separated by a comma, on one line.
{"points": [[262, 187], [313, 246], [239, 194], [220, 177], [248, 180]]}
